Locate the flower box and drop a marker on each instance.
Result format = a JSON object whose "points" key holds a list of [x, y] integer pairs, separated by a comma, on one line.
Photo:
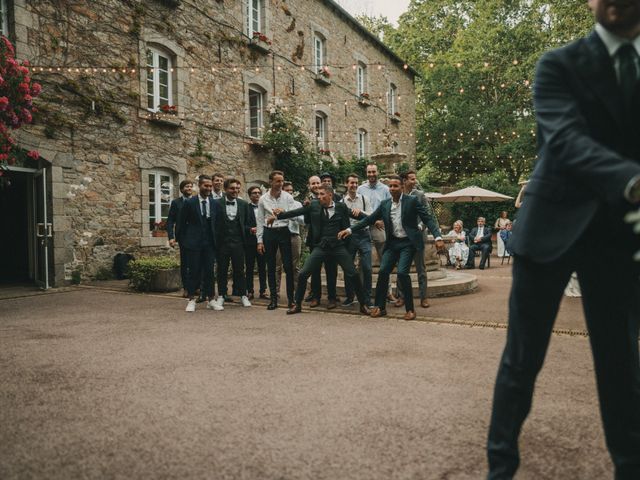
{"points": [[260, 42], [395, 118], [364, 100], [158, 233], [322, 79], [165, 119]]}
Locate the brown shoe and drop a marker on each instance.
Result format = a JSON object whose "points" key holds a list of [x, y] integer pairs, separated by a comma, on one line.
{"points": [[399, 302], [294, 309], [410, 315], [377, 312], [332, 304], [365, 310], [424, 303], [391, 298], [314, 303]]}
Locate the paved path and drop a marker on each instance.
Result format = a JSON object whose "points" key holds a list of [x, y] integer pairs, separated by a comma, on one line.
{"points": [[101, 384]]}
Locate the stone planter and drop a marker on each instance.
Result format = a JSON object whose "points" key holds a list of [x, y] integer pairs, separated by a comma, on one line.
{"points": [[259, 45], [158, 233], [166, 280], [364, 102], [165, 120], [322, 80], [394, 118]]}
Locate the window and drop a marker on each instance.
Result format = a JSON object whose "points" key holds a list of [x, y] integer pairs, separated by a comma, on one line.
{"points": [[255, 16], [393, 99], [160, 194], [256, 111], [321, 131], [159, 83], [319, 50], [361, 78], [4, 18], [362, 143]]}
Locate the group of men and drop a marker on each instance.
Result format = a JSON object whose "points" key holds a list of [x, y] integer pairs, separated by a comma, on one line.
{"points": [[216, 226]]}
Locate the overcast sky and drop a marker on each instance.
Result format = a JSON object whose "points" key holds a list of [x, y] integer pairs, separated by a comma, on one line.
{"points": [[391, 9]]}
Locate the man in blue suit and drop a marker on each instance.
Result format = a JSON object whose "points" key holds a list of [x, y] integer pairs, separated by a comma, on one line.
{"points": [[587, 103], [197, 235], [400, 215], [172, 223], [479, 240]]}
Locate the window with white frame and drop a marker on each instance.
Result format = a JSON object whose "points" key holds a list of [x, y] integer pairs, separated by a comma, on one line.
{"points": [[362, 143], [159, 79], [319, 51], [393, 99], [321, 131], [4, 18], [256, 110], [361, 78], [160, 185], [255, 16]]}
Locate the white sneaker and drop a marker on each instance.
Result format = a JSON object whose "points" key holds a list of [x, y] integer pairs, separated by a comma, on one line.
{"points": [[191, 306], [216, 304], [245, 301]]}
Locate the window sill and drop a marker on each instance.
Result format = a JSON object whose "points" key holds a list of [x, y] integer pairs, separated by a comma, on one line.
{"points": [[322, 80], [259, 45], [254, 143], [154, 241], [394, 119], [164, 119], [364, 102]]}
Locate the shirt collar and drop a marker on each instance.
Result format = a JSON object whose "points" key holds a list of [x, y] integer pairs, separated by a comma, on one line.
{"points": [[201, 198], [613, 42], [348, 197], [399, 200], [227, 199]]}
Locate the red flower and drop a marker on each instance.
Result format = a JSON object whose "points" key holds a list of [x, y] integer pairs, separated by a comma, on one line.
{"points": [[33, 154], [36, 88], [24, 88], [4, 103]]}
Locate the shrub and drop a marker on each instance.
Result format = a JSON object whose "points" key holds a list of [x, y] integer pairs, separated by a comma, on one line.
{"points": [[76, 276], [141, 271]]}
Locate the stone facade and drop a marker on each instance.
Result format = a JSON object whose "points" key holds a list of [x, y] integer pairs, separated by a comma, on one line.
{"points": [[101, 142]]}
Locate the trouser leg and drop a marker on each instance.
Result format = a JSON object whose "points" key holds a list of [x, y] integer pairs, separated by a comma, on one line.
{"points": [[311, 264], [418, 259], [406, 255], [262, 272], [471, 261], [533, 304], [184, 268], [353, 251], [389, 260], [237, 264], [296, 252], [278, 270], [271, 248], [365, 268], [343, 258], [485, 254], [194, 270], [331, 273], [224, 258], [208, 262], [284, 245]]}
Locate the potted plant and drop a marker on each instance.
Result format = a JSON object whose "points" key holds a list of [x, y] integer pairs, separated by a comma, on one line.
{"points": [[159, 229], [364, 99], [323, 76], [395, 117], [155, 274], [260, 42], [166, 115]]}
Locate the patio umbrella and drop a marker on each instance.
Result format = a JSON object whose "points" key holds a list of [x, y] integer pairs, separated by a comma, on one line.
{"points": [[473, 194], [433, 195]]}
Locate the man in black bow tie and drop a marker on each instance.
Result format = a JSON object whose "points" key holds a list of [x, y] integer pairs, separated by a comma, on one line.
{"points": [[251, 255]]}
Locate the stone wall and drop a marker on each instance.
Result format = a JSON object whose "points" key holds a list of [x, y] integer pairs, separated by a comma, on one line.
{"points": [[95, 130]]}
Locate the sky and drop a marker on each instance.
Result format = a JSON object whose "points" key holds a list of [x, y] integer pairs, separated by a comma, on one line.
{"points": [[391, 9]]}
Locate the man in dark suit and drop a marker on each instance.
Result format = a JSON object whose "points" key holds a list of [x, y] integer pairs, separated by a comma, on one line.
{"points": [[197, 235], [251, 255], [479, 240], [186, 186], [400, 215], [234, 227], [587, 102], [327, 218]]}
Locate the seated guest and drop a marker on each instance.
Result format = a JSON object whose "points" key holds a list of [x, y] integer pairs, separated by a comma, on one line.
{"points": [[459, 251], [480, 240], [505, 236], [500, 225]]}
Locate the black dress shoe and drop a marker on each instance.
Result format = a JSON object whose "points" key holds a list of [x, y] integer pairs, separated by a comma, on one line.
{"points": [[294, 309], [481, 267], [228, 299], [308, 298], [273, 305], [365, 310], [201, 299], [263, 295]]}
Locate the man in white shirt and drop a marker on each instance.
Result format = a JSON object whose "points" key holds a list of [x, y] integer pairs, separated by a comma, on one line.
{"points": [[218, 186], [296, 242], [276, 236]]}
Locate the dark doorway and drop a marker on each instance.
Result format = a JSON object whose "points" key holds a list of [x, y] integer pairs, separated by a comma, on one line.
{"points": [[15, 218]]}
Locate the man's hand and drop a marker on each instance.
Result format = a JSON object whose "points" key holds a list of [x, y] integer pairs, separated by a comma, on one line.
{"points": [[440, 245], [343, 234], [260, 248], [634, 219], [306, 202], [172, 242], [253, 230], [356, 212], [271, 219], [379, 224], [277, 211], [477, 239]]}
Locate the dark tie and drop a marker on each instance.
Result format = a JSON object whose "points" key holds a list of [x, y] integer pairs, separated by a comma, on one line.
{"points": [[326, 213], [627, 56], [204, 209], [231, 203]]}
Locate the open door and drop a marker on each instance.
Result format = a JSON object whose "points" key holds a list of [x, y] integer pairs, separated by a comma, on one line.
{"points": [[43, 230]]}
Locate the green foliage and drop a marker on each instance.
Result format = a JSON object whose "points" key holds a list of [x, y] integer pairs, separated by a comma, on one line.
{"points": [[468, 212], [477, 61], [76, 276], [141, 271]]}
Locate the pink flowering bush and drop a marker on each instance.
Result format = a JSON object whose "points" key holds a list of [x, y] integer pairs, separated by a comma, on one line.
{"points": [[17, 92]]}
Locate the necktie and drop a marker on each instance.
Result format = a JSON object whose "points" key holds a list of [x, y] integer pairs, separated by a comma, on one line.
{"points": [[326, 213], [628, 72], [231, 203], [204, 209]]}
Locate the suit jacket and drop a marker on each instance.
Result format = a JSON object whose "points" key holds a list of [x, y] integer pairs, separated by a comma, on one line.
{"points": [[252, 239], [412, 211], [588, 151], [173, 219], [315, 215], [245, 215], [190, 232], [486, 237]]}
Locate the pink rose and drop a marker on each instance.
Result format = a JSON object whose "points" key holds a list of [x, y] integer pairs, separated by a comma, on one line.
{"points": [[4, 103], [23, 88], [36, 88], [33, 154]]}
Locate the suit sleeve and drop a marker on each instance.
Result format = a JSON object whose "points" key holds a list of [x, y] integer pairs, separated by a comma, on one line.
{"points": [[172, 218], [369, 220], [293, 213], [565, 137], [182, 220], [429, 219]]}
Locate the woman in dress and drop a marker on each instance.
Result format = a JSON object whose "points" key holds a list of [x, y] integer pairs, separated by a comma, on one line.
{"points": [[459, 252], [500, 225]]}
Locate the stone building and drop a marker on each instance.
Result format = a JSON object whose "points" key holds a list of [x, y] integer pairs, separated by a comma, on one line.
{"points": [[138, 95]]}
